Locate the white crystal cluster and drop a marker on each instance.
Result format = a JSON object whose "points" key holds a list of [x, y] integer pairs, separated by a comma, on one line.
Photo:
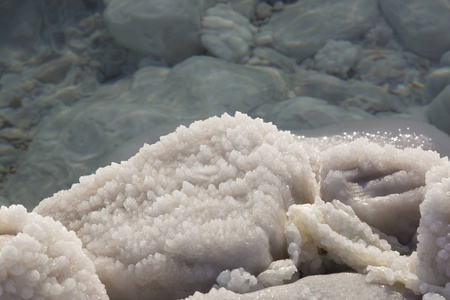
{"points": [[40, 259]]}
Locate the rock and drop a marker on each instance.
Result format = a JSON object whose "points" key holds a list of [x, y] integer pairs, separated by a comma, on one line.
{"points": [[166, 29], [382, 67], [306, 113], [304, 27], [439, 109], [422, 26], [437, 80], [244, 7], [227, 34], [360, 94], [263, 10], [336, 57], [55, 70], [205, 86], [445, 59], [271, 57]]}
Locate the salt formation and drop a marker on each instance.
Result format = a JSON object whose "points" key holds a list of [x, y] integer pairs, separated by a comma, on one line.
{"points": [[202, 200], [40, 259], [382, 184], [433, 250]]}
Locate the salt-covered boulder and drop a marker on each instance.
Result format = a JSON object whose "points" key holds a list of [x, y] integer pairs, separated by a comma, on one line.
{"points": [[304, 27], [422, 26], [383, 184], [165, 29], [40, 259], [433, 250], [204, 199]]}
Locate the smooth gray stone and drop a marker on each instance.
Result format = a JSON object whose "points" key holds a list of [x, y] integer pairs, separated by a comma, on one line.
{"points": [[306, 113], [304, 27], [204, 86], [422, 26], [437, 80], [167, 30], [361, 94], [439, 109]]}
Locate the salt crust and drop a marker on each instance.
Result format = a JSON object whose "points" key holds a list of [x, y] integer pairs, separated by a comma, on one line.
{"points": [[382, 183], [433, 250], [214, 197], [174, 214], [40, 259]]}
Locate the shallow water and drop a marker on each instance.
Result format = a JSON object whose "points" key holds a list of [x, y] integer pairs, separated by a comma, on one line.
{"points": [[84, 83]]}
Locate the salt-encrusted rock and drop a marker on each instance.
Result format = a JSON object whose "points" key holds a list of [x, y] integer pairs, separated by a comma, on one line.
{"points": [[335, 227], [422, 26], [438, 110], [336, 57], [433, 250], [279, 272], [238, 280], [227, 34], [341, 286], [383, 184], [304, 27], [204, 199], [40, 259], [166, 29]]}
